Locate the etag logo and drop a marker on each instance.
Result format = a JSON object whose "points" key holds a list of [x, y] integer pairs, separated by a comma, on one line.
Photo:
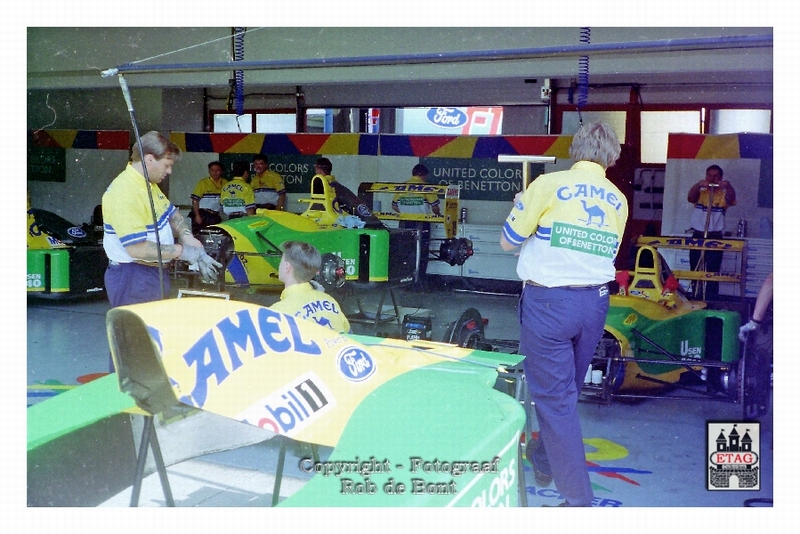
{"points": [[447, 117], [733, 455], [355, 364], [292, 407]]}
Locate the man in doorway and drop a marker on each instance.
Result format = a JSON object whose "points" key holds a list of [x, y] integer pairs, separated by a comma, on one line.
{"points": [[711, 198]]}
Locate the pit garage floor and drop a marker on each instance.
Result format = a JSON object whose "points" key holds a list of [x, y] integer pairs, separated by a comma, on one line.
{"points": [[650, 453]]}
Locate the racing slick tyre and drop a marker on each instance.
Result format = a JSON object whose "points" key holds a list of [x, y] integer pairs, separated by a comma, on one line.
{"points": [[467, 331], [754, 371]]}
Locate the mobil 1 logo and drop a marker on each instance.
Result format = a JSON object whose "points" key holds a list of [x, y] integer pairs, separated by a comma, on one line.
{"points": [[734, 461]]}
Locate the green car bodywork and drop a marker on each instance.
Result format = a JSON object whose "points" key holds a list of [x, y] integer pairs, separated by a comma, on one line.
{"points": [[256, 251]]}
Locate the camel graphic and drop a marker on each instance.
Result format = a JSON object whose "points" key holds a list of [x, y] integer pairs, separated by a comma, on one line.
{"points": [[592, 212]]}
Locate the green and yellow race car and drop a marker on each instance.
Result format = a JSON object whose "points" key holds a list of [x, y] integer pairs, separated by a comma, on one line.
{"points": [[356, 245]]}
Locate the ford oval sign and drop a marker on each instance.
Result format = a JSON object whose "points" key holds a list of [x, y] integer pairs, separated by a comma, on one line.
{"points": [[447, 117], [355, 364], [76, 232]]}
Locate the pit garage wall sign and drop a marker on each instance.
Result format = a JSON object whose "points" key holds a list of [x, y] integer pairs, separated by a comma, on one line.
{"points": [[480, 179], [452, 121]]}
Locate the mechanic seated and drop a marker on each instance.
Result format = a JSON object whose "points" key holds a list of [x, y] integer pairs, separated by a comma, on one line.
{"points": [[303, 297]]}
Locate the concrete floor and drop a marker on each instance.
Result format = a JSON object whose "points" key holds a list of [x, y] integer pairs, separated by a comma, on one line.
{"points": [[650, 453]]}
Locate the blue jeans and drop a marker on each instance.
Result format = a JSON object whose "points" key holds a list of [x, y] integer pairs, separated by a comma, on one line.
{"points": [[560, 329]]}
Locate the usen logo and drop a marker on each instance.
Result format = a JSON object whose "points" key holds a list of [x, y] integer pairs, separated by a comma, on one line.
{"points": [[692, 352], [292, 407], [355, 364], [447, 117]]}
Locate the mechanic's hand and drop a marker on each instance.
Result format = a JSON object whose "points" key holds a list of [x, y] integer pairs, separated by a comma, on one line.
{"points": [[191, 254], [208, 267], [746, 328]]}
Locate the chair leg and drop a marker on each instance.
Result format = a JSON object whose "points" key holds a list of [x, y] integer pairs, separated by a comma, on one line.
{"points": [[276, 490]]}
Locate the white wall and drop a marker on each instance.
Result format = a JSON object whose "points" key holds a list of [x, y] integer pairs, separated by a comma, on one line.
{"points": [[88, 174]]}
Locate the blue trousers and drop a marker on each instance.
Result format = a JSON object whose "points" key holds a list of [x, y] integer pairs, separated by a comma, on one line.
{"points": [[131, 283], [560, 329]]}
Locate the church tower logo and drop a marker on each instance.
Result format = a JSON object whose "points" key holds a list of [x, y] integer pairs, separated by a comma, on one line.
{"points": [[733, 456]]}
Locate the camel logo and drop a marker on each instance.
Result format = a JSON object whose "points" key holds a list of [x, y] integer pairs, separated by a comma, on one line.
{"points": [[733, 458], [592, 214]]}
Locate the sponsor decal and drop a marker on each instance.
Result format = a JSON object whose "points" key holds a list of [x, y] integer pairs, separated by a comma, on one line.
{"points": [[447, 117], [690, 352], [76, 232], [355, 364], [237, 339], [594, 242], [291, 407]]}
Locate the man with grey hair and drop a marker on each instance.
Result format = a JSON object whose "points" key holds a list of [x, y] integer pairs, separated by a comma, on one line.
{"points": [[568, 226], [302, 296]]}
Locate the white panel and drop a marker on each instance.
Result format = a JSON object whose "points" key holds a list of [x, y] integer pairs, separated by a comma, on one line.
{"points": [[440, 267], [491, 266]]}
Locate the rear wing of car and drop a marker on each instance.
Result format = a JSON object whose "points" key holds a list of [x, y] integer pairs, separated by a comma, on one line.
{"points": [[450, 193]]}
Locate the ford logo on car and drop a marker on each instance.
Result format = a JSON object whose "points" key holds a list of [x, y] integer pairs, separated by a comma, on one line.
{"points": [[447, 117], [76, 232], [355, 364]]}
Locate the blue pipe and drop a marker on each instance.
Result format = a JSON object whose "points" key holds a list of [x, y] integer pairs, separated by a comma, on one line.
{"points": [[671, 45]]}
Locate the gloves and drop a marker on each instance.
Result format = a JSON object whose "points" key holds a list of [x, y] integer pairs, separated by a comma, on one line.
{"points": [[208, 267], [191, 254], [746, 328]]}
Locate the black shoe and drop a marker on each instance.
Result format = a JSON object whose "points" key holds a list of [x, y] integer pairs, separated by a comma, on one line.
{"points": [[561, 505], [542, 479]]}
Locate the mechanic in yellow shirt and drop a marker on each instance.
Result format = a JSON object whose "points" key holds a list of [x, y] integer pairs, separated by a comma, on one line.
{"points": [[206, 205], [567, 226], [302, 296], [237, 197], [268, 186]]}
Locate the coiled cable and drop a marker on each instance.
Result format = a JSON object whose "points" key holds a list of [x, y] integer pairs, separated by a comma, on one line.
{"points": [[238, 75], [583, 73]]}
